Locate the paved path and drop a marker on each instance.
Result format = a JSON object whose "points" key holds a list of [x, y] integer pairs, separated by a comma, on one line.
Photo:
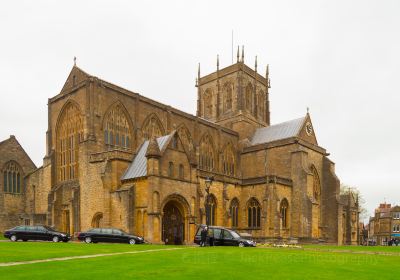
{"points": [[85, 257]]}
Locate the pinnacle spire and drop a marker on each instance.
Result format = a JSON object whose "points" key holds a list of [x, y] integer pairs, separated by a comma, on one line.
{"points": [[153, 151], [267, 72], [237, 55], [217, 61], [255, 65], [242, 54], [198, 72], [74, 60]]}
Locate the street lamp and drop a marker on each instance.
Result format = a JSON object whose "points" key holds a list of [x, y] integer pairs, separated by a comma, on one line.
{"points": [[208, 183]]}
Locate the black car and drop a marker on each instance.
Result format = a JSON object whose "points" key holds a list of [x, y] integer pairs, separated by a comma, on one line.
{"points": [[26, 233], [220, 236], [110, 235]]}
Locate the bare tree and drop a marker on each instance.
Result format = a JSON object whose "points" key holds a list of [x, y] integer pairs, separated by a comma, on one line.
{"points": [[346, 189]]}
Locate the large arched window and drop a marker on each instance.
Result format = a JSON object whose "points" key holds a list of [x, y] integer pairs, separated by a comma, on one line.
{"points": [[211, 206], [228, 89], [117, 132], [228, 160], [234, 210], [69, 135], [152, 127], [316, 185], [248, 97], [284, 212], [207, 103], [207, 159], [12, 178], [253, 213]]}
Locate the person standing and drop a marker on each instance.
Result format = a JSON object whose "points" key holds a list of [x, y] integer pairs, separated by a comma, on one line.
{"points": [[203, 237]]}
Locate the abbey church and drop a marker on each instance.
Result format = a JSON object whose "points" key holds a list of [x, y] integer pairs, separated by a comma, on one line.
{"points": [[115, 158]]}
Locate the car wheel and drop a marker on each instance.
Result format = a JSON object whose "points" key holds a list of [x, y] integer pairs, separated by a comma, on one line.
{"points": [[88, 239], [241, 244], [13, 238], [56, 239], [132, 241]]}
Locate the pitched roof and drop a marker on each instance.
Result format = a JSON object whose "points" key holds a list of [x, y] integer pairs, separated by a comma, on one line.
{"points": [[13, 138], [138, 167], [278, 131]]}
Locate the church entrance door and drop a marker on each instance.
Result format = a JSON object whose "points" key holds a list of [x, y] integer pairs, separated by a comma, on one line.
{"points": [[172, 224]]}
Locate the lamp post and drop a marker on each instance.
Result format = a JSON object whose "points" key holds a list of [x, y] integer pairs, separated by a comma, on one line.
{"points": [[208, 183]]}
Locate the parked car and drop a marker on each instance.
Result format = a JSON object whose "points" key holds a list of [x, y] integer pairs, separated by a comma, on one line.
{"points": [[26, 233], [111, 235], [220, 236]]}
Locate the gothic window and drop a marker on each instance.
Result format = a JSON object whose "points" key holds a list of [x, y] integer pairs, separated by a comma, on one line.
{"points": [[316, 185], [228, 97], [69, 134], [284, 212], [170, 169], [181, 171], [234, 210], [228, 160], [248, 96], [12, 178], [185, 138], [117, 132], [211, 206], [152, 128], [207, 160], [253, 213], [174, 142], [207, 103]]}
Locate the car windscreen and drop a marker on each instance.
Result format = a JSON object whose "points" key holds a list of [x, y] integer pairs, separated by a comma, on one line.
{"points": [[49, 228], [235, 234], [19, 228]]}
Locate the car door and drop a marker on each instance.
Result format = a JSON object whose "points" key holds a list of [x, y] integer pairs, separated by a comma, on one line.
{"points": [[218, 241], [22, 233], [38, 233], [95, 234], [41, 233], [118, 236], [106, 235], [228, 239]]}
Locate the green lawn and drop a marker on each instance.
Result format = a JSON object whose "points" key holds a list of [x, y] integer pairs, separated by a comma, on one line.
{"points": [[387, 249], [196, 263]]}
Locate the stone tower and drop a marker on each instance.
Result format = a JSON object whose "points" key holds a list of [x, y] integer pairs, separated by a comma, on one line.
{"points": [[236, 97]]}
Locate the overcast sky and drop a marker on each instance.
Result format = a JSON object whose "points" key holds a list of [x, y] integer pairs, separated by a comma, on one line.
{"points": [[340, 58]]}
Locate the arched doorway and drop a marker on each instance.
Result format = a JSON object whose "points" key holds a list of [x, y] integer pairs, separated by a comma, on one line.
{"points": [[97, 220], [173, 224]]}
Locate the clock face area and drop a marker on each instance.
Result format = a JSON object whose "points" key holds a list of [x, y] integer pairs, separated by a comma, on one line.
{"points": [[309, 129]]}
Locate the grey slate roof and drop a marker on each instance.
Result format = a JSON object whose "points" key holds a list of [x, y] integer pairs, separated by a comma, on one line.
{"points": [[278, 131], [138, 167]]}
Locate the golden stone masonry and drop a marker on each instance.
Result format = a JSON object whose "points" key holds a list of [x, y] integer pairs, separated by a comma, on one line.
{"points": [[118, 159]]}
